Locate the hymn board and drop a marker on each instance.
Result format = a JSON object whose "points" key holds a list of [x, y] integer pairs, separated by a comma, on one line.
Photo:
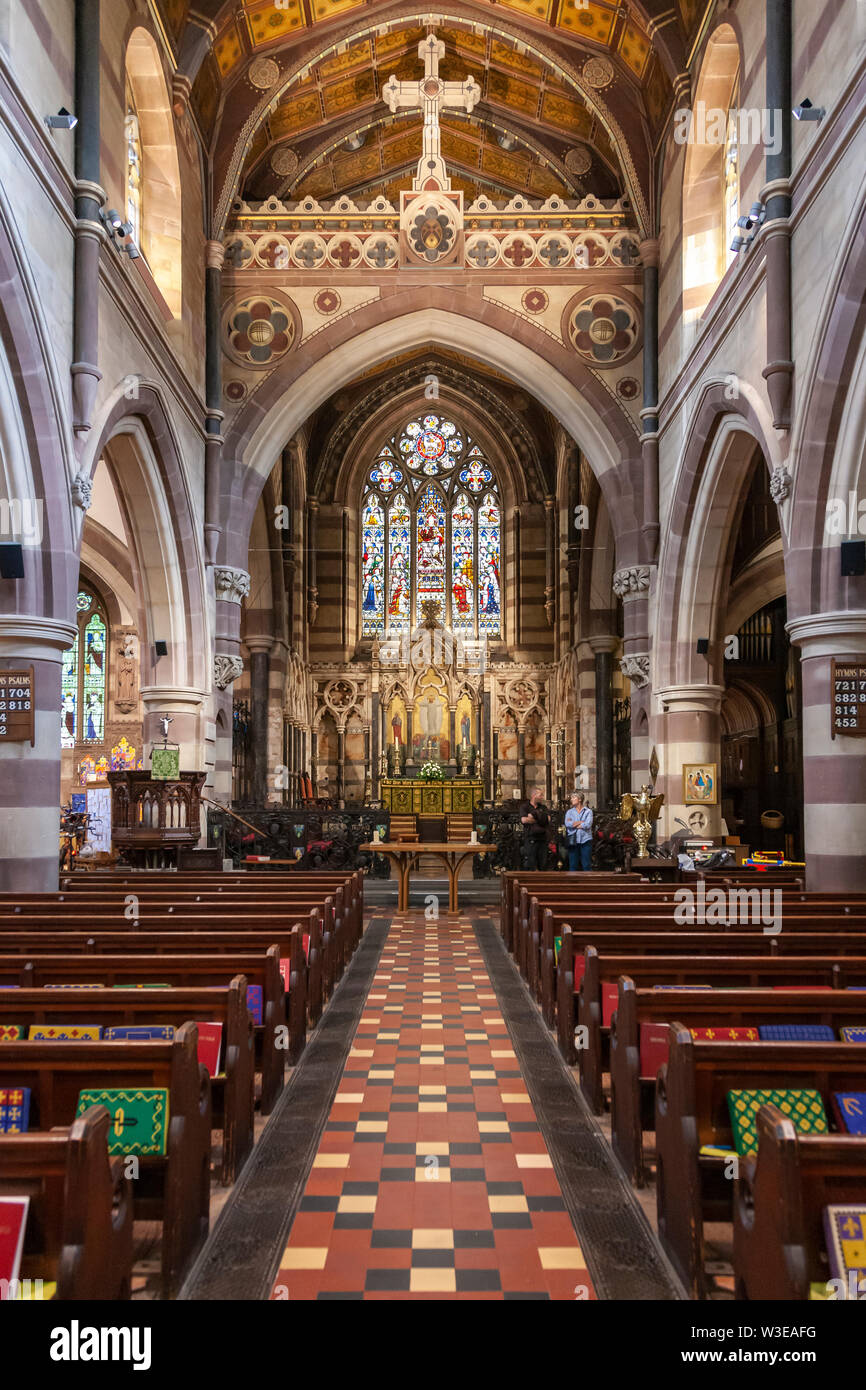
{"points": [[17, 722]]}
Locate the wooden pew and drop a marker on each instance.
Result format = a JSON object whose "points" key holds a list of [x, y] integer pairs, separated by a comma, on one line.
{"points": [[683, 941], [632, 1095], [321, 923], [174, 1189], [32, 971], [779, 1200], [692, 1110], [232, 1093], [167, 944], [728, 972], [79, 1224]]}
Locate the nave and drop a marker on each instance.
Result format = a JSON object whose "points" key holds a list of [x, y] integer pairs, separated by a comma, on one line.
{"points": [[456, 1159]]}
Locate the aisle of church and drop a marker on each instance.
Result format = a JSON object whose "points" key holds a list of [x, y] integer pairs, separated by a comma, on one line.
{"points": [[432, 1177]]}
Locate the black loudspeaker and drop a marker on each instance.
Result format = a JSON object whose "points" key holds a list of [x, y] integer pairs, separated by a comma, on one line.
{"points": [[703, 646], [161, 648], [853, 557], [11, 561]]}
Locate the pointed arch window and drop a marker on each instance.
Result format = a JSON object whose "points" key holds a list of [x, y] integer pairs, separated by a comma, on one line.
{"points": [[134, 178], [431, 529], [84, 680]]}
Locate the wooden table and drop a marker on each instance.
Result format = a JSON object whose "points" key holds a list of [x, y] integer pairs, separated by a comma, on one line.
{"points": [[404, 852]]}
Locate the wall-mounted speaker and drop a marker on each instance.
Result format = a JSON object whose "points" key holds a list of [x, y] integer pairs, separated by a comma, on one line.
{"points": [[161, 649], [703, 646], [11, 560], [853, 557]]}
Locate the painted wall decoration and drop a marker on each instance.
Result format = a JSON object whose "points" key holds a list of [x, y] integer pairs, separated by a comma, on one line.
{"points": [[259, 331], [602, 328]]}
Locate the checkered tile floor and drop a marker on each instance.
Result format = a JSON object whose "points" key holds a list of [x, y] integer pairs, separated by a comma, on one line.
{"points": [[432, 1179]]}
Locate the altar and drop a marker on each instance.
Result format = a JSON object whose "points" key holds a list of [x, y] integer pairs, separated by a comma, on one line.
{"points": [[415, 796]]}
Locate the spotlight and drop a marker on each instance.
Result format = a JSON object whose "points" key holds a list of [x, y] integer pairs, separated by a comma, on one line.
{"points": [[11, 561], [807, 112], [750, 222], [132, 251], [112, 218], [126, 229], [64, 120]]}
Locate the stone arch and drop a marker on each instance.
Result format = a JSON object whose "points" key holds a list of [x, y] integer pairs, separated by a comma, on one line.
{"points": [[704, 232], [36, 452], [138, 445], [381, 330], [161, 240], [828, 446], [696, 547]]}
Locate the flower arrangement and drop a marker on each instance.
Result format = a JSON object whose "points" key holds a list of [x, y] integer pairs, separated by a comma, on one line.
{"points": [[431, 772]]}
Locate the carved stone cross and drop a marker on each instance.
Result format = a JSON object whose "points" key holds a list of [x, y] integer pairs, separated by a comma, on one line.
{"points": [[431, 94]]}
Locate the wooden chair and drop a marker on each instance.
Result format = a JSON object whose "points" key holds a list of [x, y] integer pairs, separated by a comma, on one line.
{"points": [[404, 828], [460, 827]]}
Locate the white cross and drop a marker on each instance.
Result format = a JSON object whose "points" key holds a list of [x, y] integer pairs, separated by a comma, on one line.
{"points": [[431, 94]]}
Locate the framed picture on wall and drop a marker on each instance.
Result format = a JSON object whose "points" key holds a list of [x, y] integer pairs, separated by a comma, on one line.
{"points": [[700, 784]]}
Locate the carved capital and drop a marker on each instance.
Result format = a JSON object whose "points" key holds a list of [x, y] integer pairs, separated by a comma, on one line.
{"points": [[629, 582], [636, 667], [231, 585], [81, 490], [226, 669], [781, 483]]}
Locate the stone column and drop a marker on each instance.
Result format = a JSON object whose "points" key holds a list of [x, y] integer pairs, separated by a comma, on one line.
{"points": [[521, 763], [341, 765], [690, 733], [214, 415], [312, 560], [187, 710], [632, 585], [452, 733], [89, 198], [776, 232], [550, 558], [231, 586], [649, 444], [834, 769], [375, 744], [259, 646], [30, 777], [603, 648]]}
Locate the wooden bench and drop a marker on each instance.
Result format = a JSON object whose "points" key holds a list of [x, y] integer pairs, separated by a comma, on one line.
{"points": [[32, 971], [692, 1111], [779, 1201], [175, 1189], [79, 1223], [598, 988], [632, 1092], [232, 1092]]}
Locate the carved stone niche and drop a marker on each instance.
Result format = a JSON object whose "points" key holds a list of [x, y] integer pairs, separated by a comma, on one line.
{"points": [[126, 674]]}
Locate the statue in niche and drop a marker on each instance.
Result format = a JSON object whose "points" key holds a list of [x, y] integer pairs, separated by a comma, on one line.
{"points": [[126, 686]]}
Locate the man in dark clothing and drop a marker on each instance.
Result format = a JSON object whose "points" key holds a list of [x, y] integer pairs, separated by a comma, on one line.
{"points": [[535, 820]]}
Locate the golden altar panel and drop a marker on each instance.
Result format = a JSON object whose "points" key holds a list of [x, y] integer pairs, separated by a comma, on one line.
{"points": [[408, 796]]}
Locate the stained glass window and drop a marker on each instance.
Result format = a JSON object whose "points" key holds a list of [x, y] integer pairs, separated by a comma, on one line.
{"points": [[133, 167], [373, 567], [399, 564], [433, 484], [84, 676], [489, 565], [462, 564]]}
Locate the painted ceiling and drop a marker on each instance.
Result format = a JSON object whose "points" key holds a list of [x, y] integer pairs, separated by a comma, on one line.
{"points": [[532, 118]]}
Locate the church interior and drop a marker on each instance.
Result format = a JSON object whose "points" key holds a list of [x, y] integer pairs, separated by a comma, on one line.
{"points": [[430, 451]]}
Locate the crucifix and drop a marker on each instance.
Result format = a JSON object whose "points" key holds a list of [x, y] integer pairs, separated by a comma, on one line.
{"points": [[431, 94]]}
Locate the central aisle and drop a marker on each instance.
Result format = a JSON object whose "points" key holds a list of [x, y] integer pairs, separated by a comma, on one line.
{"points": [[432, 1178]]}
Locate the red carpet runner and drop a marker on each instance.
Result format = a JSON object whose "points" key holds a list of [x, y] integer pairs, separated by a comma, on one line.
{"points": [[432, 1179]]}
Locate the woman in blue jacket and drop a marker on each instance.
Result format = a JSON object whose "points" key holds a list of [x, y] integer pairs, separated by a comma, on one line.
{"points": [[578, 830]]}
